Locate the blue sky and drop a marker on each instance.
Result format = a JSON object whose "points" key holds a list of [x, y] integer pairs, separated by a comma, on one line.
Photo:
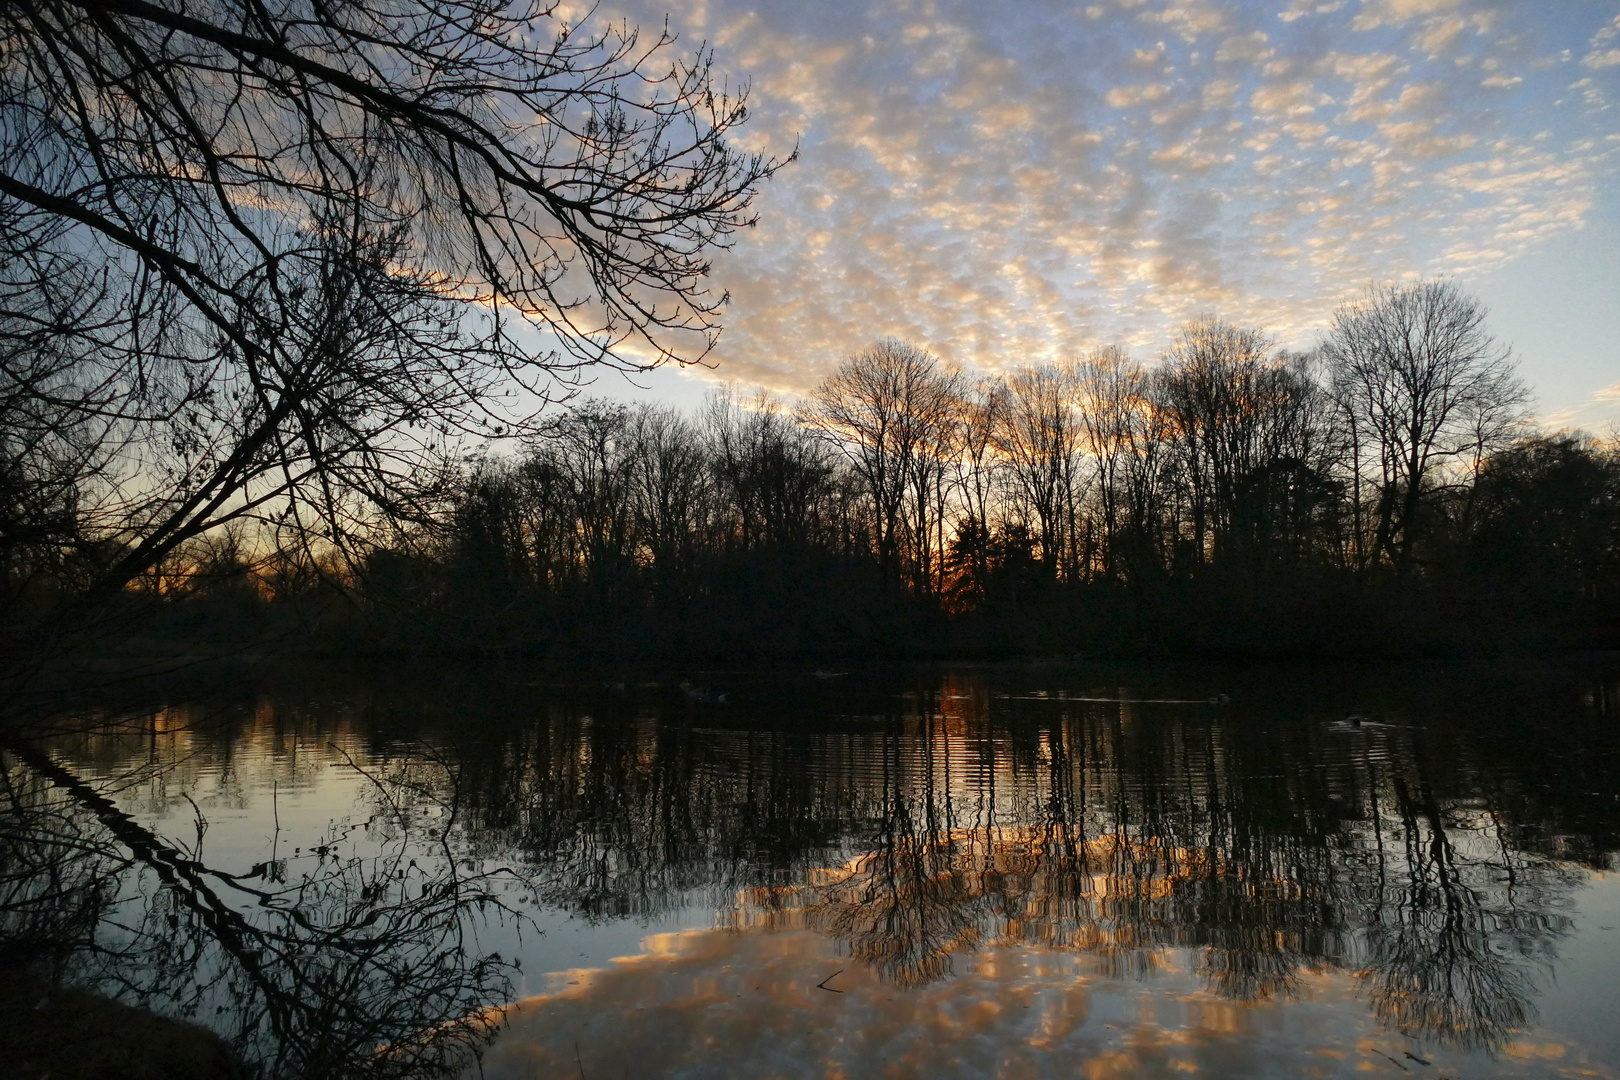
{"points": [[1021, 182]]}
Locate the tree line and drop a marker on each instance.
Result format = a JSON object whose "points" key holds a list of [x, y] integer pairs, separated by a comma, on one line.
{"points": [[265, 274], [1389, 480]]}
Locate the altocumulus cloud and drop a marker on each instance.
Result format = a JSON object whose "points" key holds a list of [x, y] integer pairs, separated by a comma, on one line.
{"points": [[1019, 182]]}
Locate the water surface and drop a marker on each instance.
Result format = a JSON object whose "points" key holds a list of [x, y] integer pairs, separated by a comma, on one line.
{"points": [[1016, 871]]}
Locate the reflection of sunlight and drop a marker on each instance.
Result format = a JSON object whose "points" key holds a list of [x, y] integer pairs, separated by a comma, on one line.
{"points": [[720, 1003]]}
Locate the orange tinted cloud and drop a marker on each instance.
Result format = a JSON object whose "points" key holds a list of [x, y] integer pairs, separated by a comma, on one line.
{"points": [[1021, 183]]}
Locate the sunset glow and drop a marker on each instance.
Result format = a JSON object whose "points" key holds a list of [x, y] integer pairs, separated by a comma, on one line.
{"points": [[1017, 183]]}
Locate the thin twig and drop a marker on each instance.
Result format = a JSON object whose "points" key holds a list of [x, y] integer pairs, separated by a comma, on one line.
{"points": [[1392, 1061], [202, 824], [822, 985]]}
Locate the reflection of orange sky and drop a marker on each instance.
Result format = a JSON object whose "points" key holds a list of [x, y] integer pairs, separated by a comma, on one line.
{"points": [[1048, 889], [715, 1003], [177, 750], [1030, 851]]}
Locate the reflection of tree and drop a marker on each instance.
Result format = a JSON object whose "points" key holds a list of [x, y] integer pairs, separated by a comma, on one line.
{"points": [[908, 906], [951, 826], [321, 966], [1120, 846], [58, 875], [1455, 946], [913, 834]]}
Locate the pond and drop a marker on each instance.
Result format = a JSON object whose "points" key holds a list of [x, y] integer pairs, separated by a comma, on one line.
{"points": [[1011, 871]]}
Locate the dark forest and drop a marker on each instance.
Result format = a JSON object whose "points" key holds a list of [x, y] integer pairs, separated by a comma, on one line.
{"points": [[1381, 496]]}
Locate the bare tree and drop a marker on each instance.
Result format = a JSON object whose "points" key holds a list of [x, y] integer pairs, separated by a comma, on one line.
{"points": [[773, 473], [1421, 384], [593, 451], [49, 447], [271, 258], [974, 468], [1113, 395], [1039, 440], [1207, 381], [882, 408], [1254, 435], [933, 411], [670, 486]]}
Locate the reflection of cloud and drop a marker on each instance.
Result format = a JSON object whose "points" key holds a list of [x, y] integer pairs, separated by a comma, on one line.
{"points": [[1012, 185], [914, 910], [720, 1004]]}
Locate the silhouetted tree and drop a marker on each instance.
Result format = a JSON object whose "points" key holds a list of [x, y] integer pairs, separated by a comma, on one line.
{"points": [[883, 409], [1421, 384], [1039, 439], [1115, 415], [266, 261], [671, 490], [593, 452], [776, 477], [978, 417], [1545, 513], [1249, 431]]}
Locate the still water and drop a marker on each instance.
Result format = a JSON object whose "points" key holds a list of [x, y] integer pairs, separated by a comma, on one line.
{"points": [[996, 871]]}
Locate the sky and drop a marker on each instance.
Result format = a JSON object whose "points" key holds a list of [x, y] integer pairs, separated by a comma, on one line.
{"points": [[1016, 183]]}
